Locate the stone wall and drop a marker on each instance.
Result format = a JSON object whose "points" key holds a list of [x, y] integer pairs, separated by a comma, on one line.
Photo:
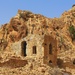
{"points": [[41, 43], [31, 40], [50, 53], [35, 40]]}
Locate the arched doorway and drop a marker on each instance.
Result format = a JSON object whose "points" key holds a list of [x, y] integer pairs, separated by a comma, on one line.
{"points": [[23, 48], [50, 62]]}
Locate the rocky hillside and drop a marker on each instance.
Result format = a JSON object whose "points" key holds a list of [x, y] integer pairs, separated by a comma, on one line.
{"points": [[26, 22]]}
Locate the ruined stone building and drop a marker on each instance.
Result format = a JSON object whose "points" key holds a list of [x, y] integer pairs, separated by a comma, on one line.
{"points": [[34, 45]]}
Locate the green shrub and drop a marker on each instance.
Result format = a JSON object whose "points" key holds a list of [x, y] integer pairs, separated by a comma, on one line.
{"points": [[72, 32]]}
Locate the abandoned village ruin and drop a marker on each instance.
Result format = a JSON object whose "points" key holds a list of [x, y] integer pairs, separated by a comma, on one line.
{"points": [[44, 46], [37, 44]]}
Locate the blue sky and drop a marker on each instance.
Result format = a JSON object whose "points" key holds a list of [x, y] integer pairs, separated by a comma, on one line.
{"points": [[49, 8]]}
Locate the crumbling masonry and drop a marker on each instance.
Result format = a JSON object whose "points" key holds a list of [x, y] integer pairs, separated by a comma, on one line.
{"points": [[44, 46]]}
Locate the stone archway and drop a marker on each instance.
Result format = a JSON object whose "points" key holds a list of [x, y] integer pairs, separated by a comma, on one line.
{"points": [[23, 48]]}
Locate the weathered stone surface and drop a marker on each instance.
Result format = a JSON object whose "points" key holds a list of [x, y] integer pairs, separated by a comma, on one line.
{"points": [[14, 63]]}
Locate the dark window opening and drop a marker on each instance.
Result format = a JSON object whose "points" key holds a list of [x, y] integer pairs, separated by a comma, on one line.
{"points": [[23, 45], [50, 62], [34, 50], [45, 44], [74, 61], [50, 49]]}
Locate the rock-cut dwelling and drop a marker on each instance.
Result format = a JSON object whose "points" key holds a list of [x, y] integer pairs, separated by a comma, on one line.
{"points": [[32, 46]]}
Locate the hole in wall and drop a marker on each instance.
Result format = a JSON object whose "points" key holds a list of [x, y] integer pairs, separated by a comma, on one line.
{"points": [[74, 61], [50, 48], [23, 47], [34, 50]]}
